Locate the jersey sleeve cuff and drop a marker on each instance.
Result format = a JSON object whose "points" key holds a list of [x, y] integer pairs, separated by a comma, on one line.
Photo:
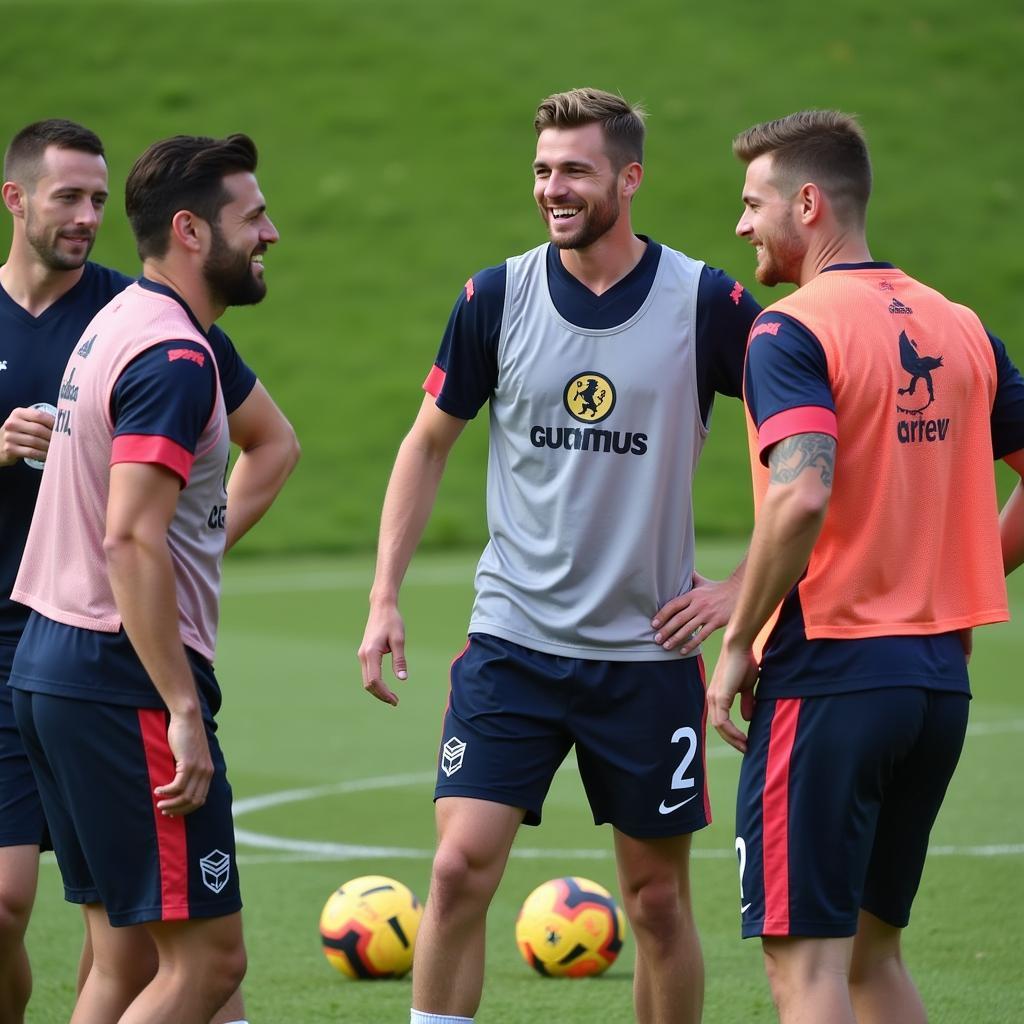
{"points": [[808, 419], [435, 381], [155, 449]]}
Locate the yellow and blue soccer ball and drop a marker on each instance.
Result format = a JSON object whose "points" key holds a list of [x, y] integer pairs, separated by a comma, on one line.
{"points": [[570, 928], [368, 927]]}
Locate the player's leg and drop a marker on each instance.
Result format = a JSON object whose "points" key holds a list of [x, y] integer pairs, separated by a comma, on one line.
{"points": [[668, 982], [474, 839], [19, 870], [21, 833], [141, 968], [881, 988], [233, 1011], [809, 979], [880, 984], [501, 744], [201, 962], [640, 734], [122, 962]]}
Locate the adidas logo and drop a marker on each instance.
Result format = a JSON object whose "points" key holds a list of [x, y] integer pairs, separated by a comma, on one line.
{"points": [[86, 347], [898, 307], [886, 287]]}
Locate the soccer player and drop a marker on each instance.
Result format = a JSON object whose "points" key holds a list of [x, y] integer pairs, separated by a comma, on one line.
{"points": [[55, 186], [115, 694], [875, 406], [600, 354]]}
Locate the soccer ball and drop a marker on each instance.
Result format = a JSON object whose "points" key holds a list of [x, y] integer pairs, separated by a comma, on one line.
{"points": [[368, 927], [570, 927]]}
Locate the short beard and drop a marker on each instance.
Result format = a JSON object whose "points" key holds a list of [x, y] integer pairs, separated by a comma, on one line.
{"points": [[597, 223], [783, 259], [48, 253], [228, 274]]}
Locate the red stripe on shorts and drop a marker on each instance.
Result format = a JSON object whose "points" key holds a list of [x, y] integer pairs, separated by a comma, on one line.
{"points": [[170, 832], [704, 738], [775, 817]]}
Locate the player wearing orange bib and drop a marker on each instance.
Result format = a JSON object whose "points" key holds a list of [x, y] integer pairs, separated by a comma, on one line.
{"points": [[875, 406]]}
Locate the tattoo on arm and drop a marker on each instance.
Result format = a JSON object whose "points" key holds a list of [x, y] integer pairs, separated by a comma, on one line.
{"points": [[791, 456]]}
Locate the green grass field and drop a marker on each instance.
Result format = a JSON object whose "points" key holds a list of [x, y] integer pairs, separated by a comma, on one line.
{"points": [[396, 142], [359, 773]]}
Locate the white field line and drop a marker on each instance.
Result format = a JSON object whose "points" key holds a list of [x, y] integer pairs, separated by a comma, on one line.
{"points": [[287, 850]]}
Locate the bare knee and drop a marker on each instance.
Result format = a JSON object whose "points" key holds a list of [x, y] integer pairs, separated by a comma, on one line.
{"points": [[15, 910], [657, 910], [459, 879]]}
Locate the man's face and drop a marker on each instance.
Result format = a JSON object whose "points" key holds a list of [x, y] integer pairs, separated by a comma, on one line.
{"points": [[233, 269], [575, 185], [64, 207], [769, 224]]}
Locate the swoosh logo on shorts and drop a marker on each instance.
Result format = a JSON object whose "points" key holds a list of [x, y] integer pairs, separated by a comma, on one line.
{"points": [[744, 908], [662, 809]]}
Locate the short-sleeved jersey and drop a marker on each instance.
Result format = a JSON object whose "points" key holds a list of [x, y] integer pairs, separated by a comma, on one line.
{"points": [[33, 353], [142, 387], [598, 413], [919, 398]]}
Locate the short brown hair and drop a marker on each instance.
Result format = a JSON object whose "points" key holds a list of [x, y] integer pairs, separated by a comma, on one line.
{"points": [[182, 173], [24, 156], [824, 146], [622, 122]]}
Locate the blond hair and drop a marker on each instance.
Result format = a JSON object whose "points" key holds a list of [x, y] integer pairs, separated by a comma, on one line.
{"points": [[621, 122]]}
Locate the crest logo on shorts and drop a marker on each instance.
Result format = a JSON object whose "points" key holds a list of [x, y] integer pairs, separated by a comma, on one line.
{"points": [[216, 868], [452, 754], [589, 397]]}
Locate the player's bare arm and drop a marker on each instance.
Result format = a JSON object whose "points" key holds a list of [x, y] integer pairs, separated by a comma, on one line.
{"points": [[787, 526], [688, 620], [141, 505], [270, 451], [25, 434], [1011, 519], [408, 502]]}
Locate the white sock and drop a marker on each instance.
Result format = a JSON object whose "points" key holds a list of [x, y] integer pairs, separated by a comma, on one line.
{"points": [[419, 1017], [236, 1022]]}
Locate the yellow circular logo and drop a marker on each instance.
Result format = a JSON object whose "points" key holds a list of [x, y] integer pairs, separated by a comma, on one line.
{"points": [[589, 397]]}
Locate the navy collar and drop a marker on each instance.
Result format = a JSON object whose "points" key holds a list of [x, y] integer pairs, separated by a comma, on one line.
{"points": [[648, 262], [162, 289], [860, 266]]}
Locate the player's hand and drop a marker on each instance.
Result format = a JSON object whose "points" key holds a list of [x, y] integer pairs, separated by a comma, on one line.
{"points": [[25, 434], [688, 620], [735, 673], [385, 634], [193, 766]]}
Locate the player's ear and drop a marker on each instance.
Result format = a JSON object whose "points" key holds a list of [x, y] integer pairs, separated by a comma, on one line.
{"points": [[631, 175], [189, 230], [810, 201], [14, 198]]}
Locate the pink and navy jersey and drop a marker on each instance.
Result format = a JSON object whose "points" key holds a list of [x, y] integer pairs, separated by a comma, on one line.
{"points": [[33, 353], [141, 387], [919, 398]]}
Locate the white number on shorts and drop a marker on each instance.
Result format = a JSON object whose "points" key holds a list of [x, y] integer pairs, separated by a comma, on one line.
{"points": [[741, 850], [679, 780]]}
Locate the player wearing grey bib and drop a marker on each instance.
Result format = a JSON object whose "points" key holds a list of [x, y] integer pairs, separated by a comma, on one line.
{"points": [[599, 355]]}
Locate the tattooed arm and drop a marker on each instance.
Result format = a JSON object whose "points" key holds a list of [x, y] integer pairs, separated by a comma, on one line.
{"points": [[787, 526]]}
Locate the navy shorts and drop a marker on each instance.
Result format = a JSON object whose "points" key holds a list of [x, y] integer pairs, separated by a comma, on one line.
{"points": [[638, 727], [97, 765], [21, 811], [837, 797]]}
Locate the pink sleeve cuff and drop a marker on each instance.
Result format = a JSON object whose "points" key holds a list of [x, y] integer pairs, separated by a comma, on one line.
{"points": [[153, 448], [807, 419], [435, 381]]}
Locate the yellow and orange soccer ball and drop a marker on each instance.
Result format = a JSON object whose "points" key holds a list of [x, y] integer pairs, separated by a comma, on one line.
{"points": [[368, 927], [570, 927]]}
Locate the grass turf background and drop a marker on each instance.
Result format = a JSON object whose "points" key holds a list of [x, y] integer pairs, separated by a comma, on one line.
{"points": [[396, 141]]}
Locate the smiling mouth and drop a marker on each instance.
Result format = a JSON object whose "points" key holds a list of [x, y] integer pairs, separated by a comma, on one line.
{"points": [[563, 212]]}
